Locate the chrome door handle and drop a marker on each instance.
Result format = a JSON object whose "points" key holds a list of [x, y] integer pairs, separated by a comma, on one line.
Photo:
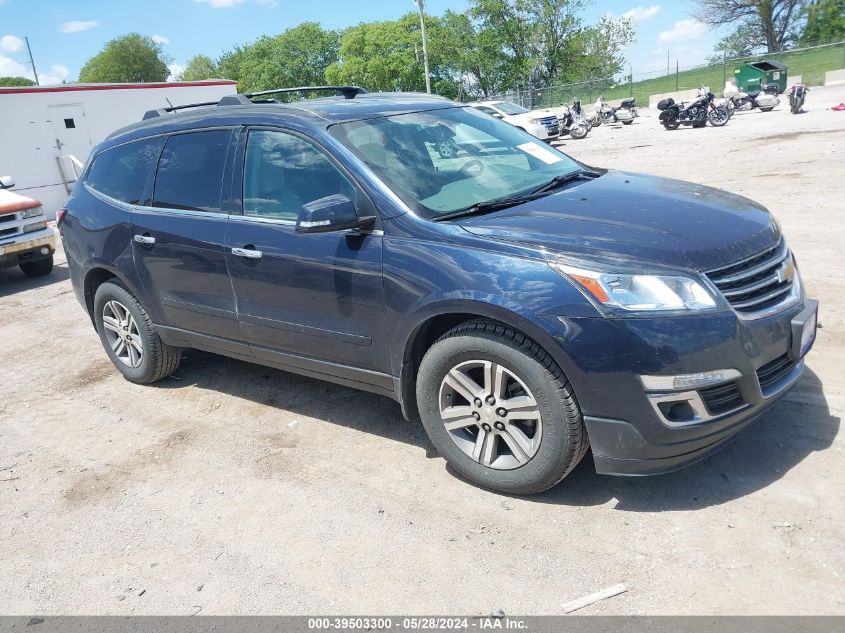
{"points": [[144, 239], [246, 252]]}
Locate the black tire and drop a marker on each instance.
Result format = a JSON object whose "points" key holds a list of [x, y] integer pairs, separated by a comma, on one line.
{"points": [[38, 268], [795, 107], [767, 109], [158, 360], [671, 125], [564, 439], [578, 131], [627, 122]]}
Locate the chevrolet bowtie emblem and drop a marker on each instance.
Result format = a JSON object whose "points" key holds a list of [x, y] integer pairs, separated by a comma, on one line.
{"points": [[786, 272]]}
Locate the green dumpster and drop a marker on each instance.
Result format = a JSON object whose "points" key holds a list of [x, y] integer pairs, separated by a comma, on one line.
{"points": [[754, 75]]}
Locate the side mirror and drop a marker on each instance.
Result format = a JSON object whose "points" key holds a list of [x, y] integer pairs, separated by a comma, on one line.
{"points": [[6, 182], [332, 213]]}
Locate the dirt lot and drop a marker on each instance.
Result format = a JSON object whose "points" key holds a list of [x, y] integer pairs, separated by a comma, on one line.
{"points": [[231, 488]]}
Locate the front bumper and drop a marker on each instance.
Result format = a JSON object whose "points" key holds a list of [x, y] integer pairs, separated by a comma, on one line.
{"points": [[545, 133], [628, 434], [30, 250]]}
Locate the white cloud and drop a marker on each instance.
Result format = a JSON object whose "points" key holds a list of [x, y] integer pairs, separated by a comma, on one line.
{"points": [[77, 26], [160, 39], [221, 4], [10, 68], [683, 30], [175, 71], [640, 14], [55, 75], [11, 43]]}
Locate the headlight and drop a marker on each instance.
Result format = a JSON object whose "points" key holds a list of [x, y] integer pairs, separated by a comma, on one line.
{"points": [[35, 226], [640, 292], [31, 213]]}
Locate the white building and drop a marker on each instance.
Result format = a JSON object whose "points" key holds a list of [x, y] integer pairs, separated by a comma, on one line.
{"points": [[41, 128]]}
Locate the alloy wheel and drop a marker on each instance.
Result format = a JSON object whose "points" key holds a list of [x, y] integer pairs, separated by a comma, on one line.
{"points": [[122, 334], [490, 414]]}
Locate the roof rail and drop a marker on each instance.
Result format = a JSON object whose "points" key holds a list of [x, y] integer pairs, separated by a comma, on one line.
{"points": [[350, 92], [151, 114], [246, 98]]}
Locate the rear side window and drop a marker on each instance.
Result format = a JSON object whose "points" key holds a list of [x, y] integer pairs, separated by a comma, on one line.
{"points": [[120, 172], [190, 171]]}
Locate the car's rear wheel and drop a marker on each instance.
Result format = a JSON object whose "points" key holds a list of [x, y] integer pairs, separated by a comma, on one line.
{"points": [[38, 268], [129, 337], [499, 409]]}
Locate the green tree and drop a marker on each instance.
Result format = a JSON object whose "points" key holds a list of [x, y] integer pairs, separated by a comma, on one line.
{"points": [[774, 20], [384, 56], [825, 22], [541, 42], [16, 81], [129, 58], [742, 42], [297, 57], [199, 67]]}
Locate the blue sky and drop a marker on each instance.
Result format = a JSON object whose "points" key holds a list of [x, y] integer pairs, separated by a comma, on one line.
{"points": [[64, 34]]}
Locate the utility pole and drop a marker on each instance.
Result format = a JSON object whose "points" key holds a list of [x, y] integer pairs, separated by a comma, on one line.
{"points": [[420, 4], [31, 61]]}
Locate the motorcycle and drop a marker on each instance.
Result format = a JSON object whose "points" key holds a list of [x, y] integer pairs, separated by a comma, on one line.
{"points": [[797, 94], [609, 114], [572, 123], [697, 113], [765, 99], [631, 104], [578, 112]]}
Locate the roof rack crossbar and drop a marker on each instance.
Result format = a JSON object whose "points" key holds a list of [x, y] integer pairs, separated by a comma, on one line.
{"points": [[349, 92], [151, 114]]}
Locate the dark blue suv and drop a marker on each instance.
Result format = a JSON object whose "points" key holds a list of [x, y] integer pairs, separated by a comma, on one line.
{"points": [[523, 305]]}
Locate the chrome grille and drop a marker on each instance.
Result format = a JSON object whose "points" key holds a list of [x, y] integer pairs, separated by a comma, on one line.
{"points": [[757, 282]]}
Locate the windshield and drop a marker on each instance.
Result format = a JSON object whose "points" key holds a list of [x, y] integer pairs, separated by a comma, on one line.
{"points": [[510, 108], [442, 161]]}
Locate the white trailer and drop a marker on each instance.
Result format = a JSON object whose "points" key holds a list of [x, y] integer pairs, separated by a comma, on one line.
{"points": [[47, 132]]}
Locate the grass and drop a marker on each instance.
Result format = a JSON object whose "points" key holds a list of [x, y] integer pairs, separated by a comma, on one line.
{"points": [[811, 64]]}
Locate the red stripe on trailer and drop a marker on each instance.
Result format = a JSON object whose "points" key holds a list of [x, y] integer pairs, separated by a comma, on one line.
{"points": [[88, 87]]}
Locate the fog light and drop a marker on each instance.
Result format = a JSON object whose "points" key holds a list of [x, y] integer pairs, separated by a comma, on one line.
{"points": [[45, 250], [689, 381]]}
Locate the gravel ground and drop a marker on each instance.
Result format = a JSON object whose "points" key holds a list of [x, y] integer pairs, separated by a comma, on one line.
{"points": [[232, 488]]}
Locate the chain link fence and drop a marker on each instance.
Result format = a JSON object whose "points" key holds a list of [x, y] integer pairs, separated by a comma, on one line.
{"points": [[810, 63]]}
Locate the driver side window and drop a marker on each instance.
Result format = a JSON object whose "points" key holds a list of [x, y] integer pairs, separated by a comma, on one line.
{"points": [[283, 171]]}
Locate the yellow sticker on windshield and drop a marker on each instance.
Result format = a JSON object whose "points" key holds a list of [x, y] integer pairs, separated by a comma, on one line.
{"points": [[537, 151]]}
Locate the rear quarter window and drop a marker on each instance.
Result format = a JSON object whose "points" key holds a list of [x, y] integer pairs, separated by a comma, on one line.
{"points": [[190, 171], [120, 172]]}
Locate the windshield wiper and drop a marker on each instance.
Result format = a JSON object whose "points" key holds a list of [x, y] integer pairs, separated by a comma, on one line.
{"points": [[563, 179], [503, 203], [486, 207]]}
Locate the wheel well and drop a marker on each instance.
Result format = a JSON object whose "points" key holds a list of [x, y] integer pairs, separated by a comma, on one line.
{"points": [[93, 279], [421, 340]]}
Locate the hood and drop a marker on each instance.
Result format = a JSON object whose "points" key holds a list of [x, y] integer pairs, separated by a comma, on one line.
{"points": [[10, 202], [636, 217]]}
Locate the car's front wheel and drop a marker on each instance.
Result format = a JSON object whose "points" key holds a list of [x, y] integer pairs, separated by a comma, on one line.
{"points": [[129, 337], [499, 409]]}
